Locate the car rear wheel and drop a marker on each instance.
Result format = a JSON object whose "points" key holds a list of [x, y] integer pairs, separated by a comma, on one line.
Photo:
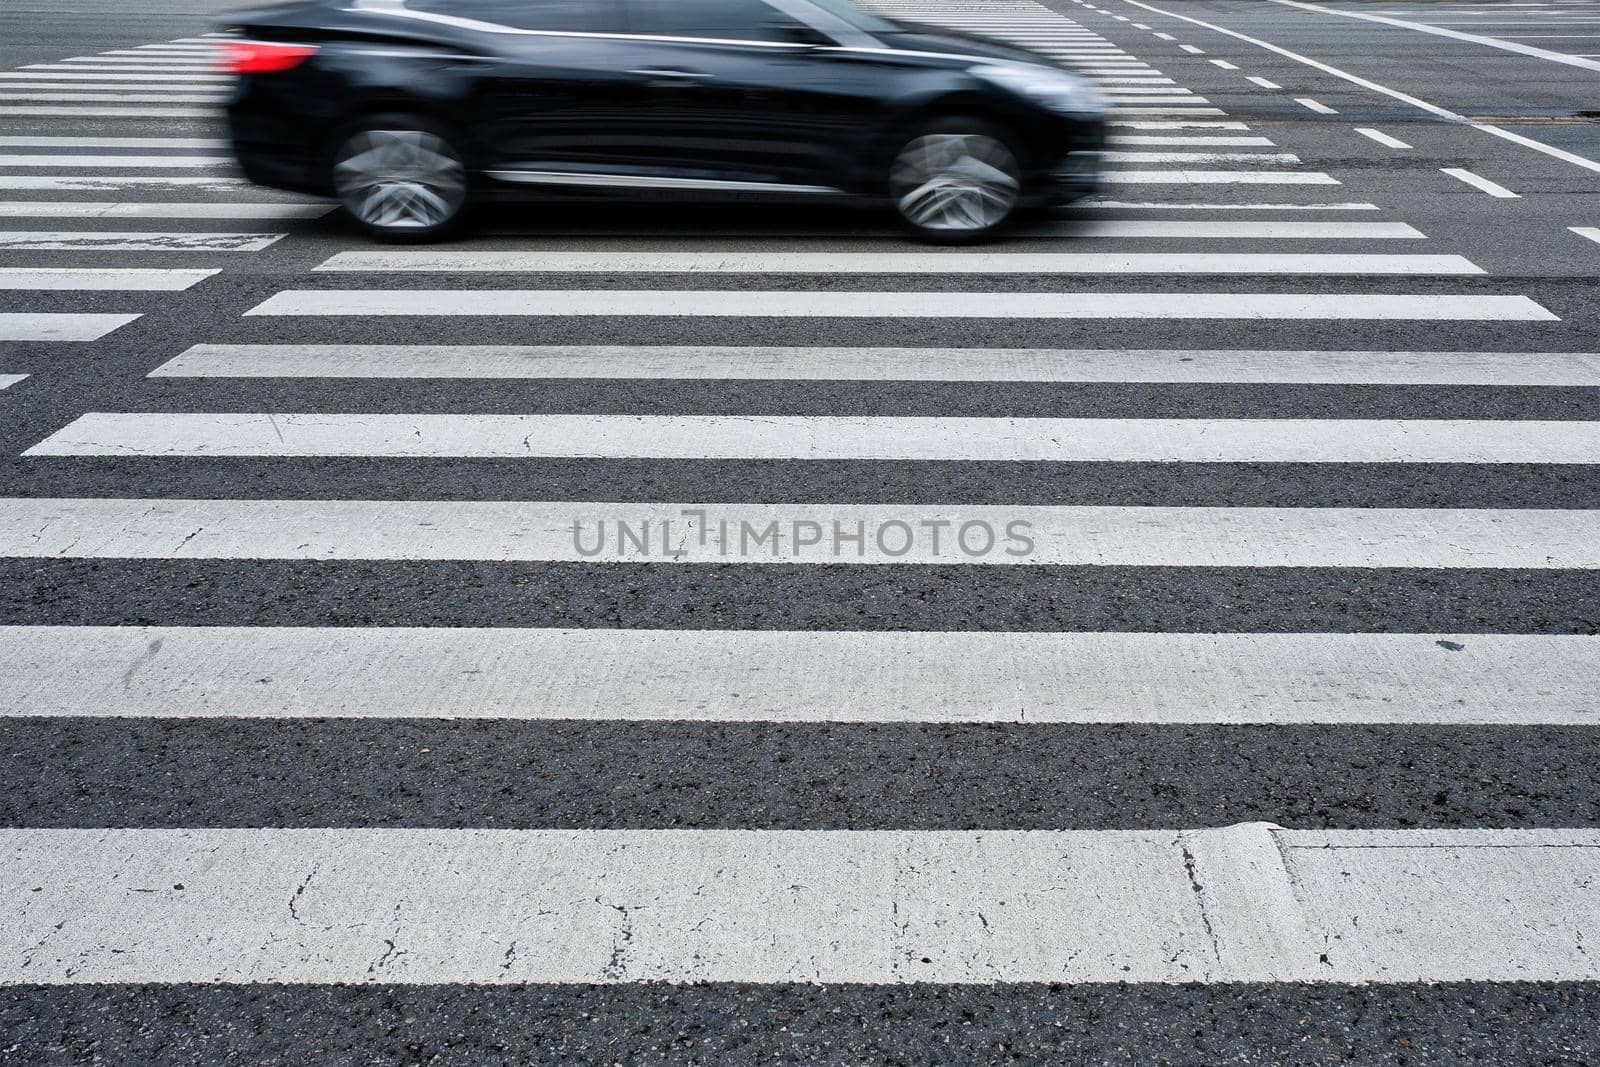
{"points": [[401, 178], [955, 181]]}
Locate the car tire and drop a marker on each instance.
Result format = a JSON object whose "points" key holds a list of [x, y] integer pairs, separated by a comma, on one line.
{"points": [[955, 181], [401, 178]]}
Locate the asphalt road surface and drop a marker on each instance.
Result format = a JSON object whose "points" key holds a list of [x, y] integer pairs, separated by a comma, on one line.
{"points": [[668, 634]]}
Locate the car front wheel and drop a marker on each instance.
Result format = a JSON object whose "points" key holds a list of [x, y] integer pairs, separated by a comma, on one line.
{"points": [[955, 181], [401, 179]]}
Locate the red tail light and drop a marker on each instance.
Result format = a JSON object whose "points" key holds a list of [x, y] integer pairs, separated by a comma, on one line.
{"points": [[260, 57]]}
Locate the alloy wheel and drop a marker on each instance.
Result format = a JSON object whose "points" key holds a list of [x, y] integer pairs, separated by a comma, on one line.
{"points": [[400, 179], [955, 182]]}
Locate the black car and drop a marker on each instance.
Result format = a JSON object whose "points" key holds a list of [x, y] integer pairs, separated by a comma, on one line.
{"points": [[408, 109]]}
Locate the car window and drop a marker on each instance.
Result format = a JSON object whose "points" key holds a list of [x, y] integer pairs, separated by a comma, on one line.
{"points": [[566, 16], [733, 20]]}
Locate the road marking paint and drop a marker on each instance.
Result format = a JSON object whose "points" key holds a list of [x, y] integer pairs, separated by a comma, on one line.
{"points": [[85, 279], [1125, 110], [1192, 139], [1315, 105], [34, 78], [1042, 263], [1591, 232], [830, 437], [135, 162], [42, 326], [1246, 903], [1119, 205], [1263, 82], [1112, 79], [8, 380], [95, 209], [1224, 64], [1192, 50], [1262, 158], [1175, 124], [1381, 137], [99, 182], [112, 142], [1482, 183], [1218, 177], [628, 362], [110, 113], [752, 303], [115, 98], [1164, 36], [797, 676], [1433, 109], [109, 241], [1152, 90]]}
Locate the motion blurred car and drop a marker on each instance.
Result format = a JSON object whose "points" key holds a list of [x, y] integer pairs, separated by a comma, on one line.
{"points": [[410, 110]]}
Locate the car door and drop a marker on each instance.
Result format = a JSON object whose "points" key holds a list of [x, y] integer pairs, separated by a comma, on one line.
{"points": [[744, 91]]}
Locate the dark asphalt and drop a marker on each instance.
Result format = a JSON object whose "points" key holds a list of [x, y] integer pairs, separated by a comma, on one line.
{"points": [[436, 773]]}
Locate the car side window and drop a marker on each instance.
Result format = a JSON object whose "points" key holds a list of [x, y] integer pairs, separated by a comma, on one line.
{"points": [[730, 20], [556, 16]]}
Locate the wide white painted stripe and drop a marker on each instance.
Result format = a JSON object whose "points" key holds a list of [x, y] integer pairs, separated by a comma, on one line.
{"points": [[1382, 138], [93, 278], [1257, 158], [114, 98], [49, 326], [1132, 96], [797, 676], [1176, 124], [1251, 230], [1224, 64], [1191, 139], [138, 162], [755, 303], [1590, 232], [580, 531], [110, 112], [1479, 182], [88, 240], [1134, 79], [1136, 90], [1035, 263], [1218, 177], [157, 209], [112, 142], [1247, 903], [1126, 110], [830, 437], [1263, 82], [8, 380], [1315, 105], [1192, 49], [1097, 204], [63, 183], [112, 64], [1551, 369], [52, 76]]}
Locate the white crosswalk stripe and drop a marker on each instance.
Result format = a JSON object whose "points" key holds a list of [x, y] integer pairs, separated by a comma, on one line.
{"points": [[639, 501]]}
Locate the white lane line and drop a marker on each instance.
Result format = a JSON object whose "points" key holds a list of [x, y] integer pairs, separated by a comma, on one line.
{"points": [[115, 98], [1218, 177], [1591, 232], [108, 182], [1164, 37], [1130, 205], [796, 676], [1176, 124], [86, 279], [815, 534], [1246, 903], [108, 241], [1481, 183], [8, 380], [1439, 31], [1263, 82], [1251, 230], [1192, 139], [32, 78], [130, 161], [1259, 158], [900, 262], [1315, 105], [1224, 64], [112, 142], [1131, 97], [1151, 90], [1433, 109], [1545, 369], [45, 326], [753, 303], [110, 112], [1381, 137], [113, 64], [1103, 79], [1125, 110], [159, 209], [831, 437], [1192, 50]]}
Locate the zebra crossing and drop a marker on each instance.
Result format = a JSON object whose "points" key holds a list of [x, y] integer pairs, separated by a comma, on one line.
{"points": [[597, 608]]}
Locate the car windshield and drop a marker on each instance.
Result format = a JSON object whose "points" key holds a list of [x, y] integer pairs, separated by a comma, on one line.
{"points": [[862, 20]]}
